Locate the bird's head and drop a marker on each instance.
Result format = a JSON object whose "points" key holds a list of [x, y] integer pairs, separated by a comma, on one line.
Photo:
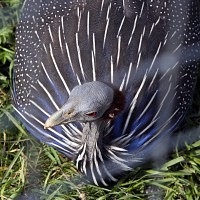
{"points": [[86, 103]]}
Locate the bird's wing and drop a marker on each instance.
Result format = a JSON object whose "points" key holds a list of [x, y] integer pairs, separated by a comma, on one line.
{"points": [[131, 44]]}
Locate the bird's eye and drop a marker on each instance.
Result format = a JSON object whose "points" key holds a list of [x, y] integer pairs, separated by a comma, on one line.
{"points": [[91, 114]]}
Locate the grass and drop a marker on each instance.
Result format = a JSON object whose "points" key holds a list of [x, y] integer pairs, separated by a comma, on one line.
{"points": [[31, 170]]}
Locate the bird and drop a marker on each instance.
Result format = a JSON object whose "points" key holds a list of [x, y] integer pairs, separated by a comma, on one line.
{"points": [[106, 82]]}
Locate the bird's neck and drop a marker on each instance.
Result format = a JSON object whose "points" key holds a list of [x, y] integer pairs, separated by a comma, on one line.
{"points": [[92, 134]]}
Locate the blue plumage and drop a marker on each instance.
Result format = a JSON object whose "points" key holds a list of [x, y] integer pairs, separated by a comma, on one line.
{"points": [[146, 51]]}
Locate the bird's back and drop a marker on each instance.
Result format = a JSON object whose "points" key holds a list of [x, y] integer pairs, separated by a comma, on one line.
{"points": [[149, 50]]}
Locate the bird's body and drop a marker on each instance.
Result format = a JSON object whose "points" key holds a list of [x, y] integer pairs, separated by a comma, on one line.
{"points": [[142, 56]]}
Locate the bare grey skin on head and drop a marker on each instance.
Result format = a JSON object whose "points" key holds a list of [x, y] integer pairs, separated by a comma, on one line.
{"points": [[87, 102]]}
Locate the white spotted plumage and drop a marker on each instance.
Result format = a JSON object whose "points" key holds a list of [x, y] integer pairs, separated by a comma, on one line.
{"points": [[146, 50]]}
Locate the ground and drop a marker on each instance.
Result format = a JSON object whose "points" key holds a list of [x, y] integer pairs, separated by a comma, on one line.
{"points": [[31, 170]]}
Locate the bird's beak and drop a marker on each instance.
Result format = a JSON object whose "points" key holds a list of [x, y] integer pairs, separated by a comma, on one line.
{"points": [[59, 117]]}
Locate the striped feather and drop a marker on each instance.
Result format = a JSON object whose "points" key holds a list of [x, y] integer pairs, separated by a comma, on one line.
{"points": [[149, 50]]}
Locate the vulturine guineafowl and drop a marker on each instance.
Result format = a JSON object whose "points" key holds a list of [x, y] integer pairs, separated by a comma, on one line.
{"points": [[105, 82]]}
